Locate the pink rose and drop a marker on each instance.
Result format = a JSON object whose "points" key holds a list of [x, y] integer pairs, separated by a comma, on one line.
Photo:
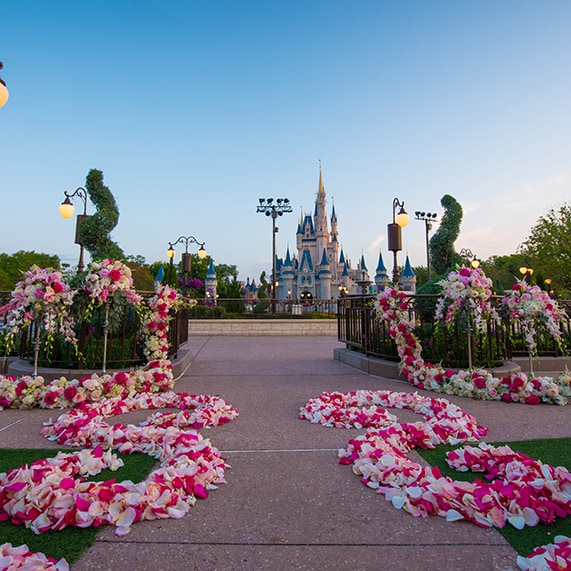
{"points": [[533, 399]]}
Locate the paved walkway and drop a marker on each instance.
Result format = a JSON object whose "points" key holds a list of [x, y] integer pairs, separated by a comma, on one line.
{"points": [[288, 504]]}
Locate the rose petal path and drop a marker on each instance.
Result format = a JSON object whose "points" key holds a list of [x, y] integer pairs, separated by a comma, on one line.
{"points": [[288, 503]]}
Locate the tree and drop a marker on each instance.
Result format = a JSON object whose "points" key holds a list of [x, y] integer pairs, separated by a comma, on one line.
{"points": [[94, 231], [548, 248], [503, 271], [444, 257], [226, 274], [13, 266]]}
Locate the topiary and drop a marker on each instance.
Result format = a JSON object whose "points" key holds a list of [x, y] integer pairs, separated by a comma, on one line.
{"points": [[444, 257], [94, 230]]}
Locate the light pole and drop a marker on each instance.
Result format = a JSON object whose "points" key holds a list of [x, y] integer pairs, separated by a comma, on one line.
{"points": [[66, 210], [428, 218], [4, 94], [274, 209], [394, 234], [186, 259], [469, 258]]}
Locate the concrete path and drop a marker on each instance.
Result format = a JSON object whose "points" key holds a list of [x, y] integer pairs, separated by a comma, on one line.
{"points": [[288, 504]]}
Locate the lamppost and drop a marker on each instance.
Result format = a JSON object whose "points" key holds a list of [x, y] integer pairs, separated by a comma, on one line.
{"points": [[428, 218], [274, 209], [66, 210], [470, 257], [394, 233], [186, 259], [527, 273], [4, 94]]}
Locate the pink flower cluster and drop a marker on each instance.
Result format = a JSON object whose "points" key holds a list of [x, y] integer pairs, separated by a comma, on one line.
{"points": [[22, 559], [51, 494], [107, 277], [391, 306], [467, 289], [41, 295], [534, 308]]}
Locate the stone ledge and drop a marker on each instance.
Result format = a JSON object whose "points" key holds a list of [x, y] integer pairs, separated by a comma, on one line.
{"points": [[246, 327], [390, 370]]}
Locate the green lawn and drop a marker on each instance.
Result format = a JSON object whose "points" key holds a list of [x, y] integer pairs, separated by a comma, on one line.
{"points": [[550, 451], [70, 542]]}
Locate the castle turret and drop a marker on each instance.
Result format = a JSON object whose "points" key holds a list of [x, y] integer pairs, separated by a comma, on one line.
{"points": [[287, 278], [408, 278], [324, 277], [211, 283], [381, 275]]}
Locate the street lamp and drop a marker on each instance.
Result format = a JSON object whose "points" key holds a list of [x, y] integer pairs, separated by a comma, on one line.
{"points": [[428, 218], [470, 257], [67, 210], [274, 209], [4, 94], [394, 233], [527, 273], [186, 259]]}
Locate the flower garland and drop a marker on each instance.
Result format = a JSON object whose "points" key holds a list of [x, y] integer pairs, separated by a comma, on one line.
{"points": [[392, 307], [156, 323], [523, 492], [44, 297], [534, 308], [467, 289]]}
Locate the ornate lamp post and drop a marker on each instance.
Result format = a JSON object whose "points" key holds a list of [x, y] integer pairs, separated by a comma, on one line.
{"points": [[428, 218], [394, 233], [272, 208], [470, 257], [67, 210], [186, 259], [4, 94]]}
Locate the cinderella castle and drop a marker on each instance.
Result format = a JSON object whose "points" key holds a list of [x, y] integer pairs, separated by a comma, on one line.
{"points": [[319, 269]]}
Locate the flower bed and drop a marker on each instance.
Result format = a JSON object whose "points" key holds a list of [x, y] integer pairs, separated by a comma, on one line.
{"points": [[391, 306]]}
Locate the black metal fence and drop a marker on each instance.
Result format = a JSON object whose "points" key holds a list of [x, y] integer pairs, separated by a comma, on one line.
{"points": [[240, 308], [125, 345], [457, 345]]}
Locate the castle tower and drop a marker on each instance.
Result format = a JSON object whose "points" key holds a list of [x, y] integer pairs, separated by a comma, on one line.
{"points": [[320, 221], [381, 275], [287, 278], [408, 278], [211, 283], [324, 277]]}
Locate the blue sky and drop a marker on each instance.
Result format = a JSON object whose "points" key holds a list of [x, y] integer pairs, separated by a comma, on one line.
{"points": [[193, 110]]}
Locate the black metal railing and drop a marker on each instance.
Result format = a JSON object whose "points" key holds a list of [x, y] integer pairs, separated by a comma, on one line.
{"points": [[125, 344], [240, 308], [457, 345]]}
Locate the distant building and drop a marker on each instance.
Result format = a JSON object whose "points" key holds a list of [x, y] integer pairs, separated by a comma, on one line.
{"points": [[319, 269]]}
